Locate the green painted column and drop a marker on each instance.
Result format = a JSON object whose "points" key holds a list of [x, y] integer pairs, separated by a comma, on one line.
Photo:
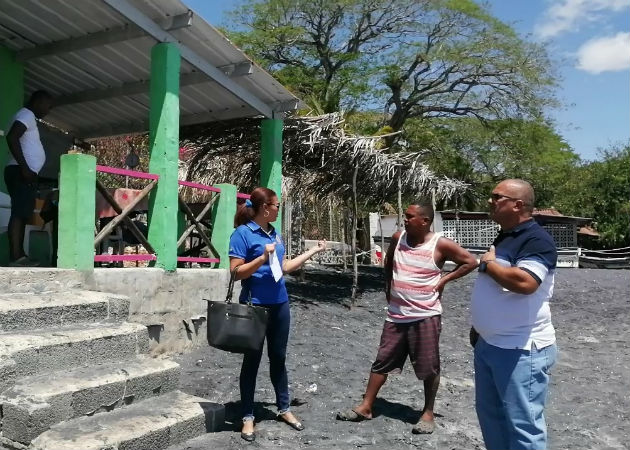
{"points": [[223, 213], [164, 148], [11, 99], [77, 206], [271, 159]]}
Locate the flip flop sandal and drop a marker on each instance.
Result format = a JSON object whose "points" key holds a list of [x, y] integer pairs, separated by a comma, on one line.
{"points": [[351, 415], [249, 437], [297, 425], [423, 427]]}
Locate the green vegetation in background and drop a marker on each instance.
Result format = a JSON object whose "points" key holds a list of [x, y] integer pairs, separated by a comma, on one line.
{"points": [[454, 80], [410, 58]]}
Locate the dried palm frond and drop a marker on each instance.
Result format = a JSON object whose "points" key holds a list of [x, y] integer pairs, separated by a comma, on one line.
{"points": [[319, 158]]}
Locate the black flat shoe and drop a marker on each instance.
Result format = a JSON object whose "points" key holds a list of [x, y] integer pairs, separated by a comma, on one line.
{"points": [[249, 437], [295, 425]]}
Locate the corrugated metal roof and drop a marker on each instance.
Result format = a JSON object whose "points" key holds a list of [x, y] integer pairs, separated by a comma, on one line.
{"points": [[103, 89]]}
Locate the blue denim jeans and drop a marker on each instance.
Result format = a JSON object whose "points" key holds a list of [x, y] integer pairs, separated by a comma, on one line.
{"points": [[510, 394], [277, 337]]}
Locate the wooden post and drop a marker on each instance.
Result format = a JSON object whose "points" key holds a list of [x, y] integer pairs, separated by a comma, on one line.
{"points": [[330, 220], [400, 214], [288, 220], [380, 224], [342, 220], [433, 206], [355, 268]]}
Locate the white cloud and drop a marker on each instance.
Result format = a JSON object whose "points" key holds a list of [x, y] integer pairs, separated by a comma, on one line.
{"points": [[605, 54], [568, 15]]}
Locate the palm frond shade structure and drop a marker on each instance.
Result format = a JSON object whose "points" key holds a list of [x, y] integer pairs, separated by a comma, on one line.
{"points": [[319, 158]]}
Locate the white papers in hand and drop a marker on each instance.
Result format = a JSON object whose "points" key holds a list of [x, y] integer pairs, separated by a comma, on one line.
{"points": [[276, 268]]}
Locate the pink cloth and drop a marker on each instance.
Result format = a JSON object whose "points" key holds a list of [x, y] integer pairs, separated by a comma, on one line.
{"points": [[123, 197]]}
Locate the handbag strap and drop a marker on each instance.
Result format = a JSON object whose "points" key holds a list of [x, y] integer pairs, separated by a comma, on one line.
{"points": [[228, 297]]}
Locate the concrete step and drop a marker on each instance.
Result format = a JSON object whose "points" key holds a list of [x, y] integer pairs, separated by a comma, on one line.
{"points": [[36, 403], [155, 424], [32, 352], [20, 311], [39, 279]]}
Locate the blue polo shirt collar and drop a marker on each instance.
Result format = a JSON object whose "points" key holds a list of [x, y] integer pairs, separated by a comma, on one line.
{"points": [[255, 227], [520, 227]]}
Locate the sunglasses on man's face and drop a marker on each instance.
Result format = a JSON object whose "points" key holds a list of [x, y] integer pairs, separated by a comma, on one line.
{"points": [[496, 197]]}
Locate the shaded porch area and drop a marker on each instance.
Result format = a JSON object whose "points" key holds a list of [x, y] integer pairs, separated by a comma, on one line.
{"points": [[119, 67]]}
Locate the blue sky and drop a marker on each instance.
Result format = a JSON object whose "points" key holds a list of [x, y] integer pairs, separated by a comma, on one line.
{"points": [[591, 41]]}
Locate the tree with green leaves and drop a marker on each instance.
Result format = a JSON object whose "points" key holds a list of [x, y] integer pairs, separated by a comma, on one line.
{"points": [[321, 49], [482, 154], [412, 58], [463, 62], [601, 189]]}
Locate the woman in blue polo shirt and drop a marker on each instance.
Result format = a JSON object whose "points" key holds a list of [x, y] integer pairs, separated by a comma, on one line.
{"points": [[252, 244]]}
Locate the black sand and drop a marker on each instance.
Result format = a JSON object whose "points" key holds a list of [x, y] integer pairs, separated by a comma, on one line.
{"points": [[331, 350]]}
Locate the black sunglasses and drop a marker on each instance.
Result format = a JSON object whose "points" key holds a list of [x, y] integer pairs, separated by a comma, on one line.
{"points": [[496, 197]]}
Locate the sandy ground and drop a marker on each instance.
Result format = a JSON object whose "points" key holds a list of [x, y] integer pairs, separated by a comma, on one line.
{"points": [[331, 349]]}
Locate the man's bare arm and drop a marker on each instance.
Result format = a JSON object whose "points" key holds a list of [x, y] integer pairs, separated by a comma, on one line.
{"points": [[389, 263], [451, 251], [513, 279]]}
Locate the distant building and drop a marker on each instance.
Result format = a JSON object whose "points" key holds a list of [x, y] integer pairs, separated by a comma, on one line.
{"points": [[476, 231]]}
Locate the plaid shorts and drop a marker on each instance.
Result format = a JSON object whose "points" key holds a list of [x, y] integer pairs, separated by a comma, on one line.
{"points": [[419, 339]]}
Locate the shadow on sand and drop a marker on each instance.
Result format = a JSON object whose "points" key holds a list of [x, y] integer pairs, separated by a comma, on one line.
{"points": [[329, 284]]}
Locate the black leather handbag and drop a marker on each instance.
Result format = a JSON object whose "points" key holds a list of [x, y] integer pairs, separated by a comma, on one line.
{"points": [[236, 327]]}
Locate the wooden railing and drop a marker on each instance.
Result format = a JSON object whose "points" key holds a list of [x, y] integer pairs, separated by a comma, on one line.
{"points": [[196, 223], [123, 215]]}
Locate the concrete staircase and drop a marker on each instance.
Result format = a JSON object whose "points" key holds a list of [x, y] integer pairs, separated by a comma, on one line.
{"points": [[75, 375]]}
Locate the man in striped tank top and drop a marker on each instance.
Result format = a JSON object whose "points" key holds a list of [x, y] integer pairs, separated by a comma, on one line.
{"points": [[414, 284]]}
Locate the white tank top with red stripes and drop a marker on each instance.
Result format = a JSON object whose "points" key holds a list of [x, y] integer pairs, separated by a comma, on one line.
{"points": [[414, 279]]}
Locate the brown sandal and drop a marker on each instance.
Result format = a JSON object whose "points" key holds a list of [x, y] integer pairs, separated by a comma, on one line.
{"points": [[350, 415], [423, 427]]}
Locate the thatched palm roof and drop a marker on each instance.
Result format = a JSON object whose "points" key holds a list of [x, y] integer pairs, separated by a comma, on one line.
{"points": [[319, 158]]}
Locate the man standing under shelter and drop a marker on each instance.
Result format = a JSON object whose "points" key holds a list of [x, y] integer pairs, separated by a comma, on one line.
{"points": [[515, 345], [20, 174], [413, 273]]}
